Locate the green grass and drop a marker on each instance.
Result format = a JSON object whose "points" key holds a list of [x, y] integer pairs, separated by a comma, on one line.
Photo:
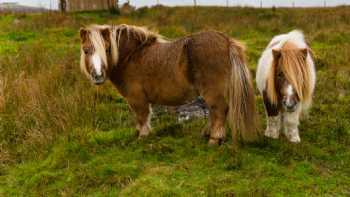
{"points": [[61, 136]]}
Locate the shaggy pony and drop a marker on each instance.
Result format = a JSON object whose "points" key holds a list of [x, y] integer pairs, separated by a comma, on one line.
{"points": [[286, 79], [147, 69]]}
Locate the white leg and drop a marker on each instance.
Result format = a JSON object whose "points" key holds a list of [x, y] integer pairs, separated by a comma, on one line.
{"points": [[144, 128], [291, 122], [273, 126]]}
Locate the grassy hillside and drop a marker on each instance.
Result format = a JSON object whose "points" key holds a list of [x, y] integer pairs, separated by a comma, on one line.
{"points": [[61, 136]]}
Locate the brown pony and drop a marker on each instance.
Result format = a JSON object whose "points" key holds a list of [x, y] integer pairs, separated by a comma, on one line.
{"points": [[147, 69]]}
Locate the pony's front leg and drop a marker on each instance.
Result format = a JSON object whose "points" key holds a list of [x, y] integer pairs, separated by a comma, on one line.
{"points": [[274, 120], [291, 122], [273, 126], [143, 116]]}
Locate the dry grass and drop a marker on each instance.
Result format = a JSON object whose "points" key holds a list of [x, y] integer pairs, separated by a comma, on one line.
{"points": [[2, 93]]}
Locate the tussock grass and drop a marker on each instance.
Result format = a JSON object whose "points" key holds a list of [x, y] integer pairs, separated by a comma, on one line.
{"points": [[61, 136]]}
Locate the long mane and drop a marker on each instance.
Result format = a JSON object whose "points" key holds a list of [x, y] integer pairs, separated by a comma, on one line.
{"points": [[141, 34], [293, 64]]}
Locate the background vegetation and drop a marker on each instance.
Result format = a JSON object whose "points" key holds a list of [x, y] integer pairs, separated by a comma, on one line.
{"points": [[61, 136]]}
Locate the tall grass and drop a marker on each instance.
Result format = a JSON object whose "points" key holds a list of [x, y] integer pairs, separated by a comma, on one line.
{"points": [[42, 100]]}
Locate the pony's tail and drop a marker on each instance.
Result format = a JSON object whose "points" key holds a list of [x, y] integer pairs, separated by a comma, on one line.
{"points": [[242, 116]]}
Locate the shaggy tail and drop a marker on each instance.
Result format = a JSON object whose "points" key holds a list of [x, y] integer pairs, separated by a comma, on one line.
{"points": [[242, 115]]}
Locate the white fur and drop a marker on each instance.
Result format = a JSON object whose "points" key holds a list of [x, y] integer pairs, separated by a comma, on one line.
{"points": [[290, 90], [289, 94], [144, 128], [97, 63], [291, 123], [266, 59], [273, 126]]}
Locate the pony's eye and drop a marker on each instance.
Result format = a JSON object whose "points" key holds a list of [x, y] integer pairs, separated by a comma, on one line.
{"points": [[86, 50]]}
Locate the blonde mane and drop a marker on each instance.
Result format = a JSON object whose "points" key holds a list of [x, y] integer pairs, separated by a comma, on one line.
{"points": [[141, 34], [98, 42], [294, 66]]}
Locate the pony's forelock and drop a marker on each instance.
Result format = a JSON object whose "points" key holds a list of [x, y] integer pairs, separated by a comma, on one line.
{"points": [[98, 42], [271, 90], [99, 45]]}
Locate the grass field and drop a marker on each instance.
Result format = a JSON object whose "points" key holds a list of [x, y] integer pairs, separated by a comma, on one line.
{"points": [[61, 136]]}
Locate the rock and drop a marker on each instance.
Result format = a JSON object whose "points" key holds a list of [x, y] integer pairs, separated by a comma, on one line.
{"points": [[195, 109], [192, 110]]}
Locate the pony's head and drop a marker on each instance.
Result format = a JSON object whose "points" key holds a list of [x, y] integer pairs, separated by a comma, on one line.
{"points": [[289, 80], [98, 52]]}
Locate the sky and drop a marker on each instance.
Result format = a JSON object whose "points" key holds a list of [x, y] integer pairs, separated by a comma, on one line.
{"points": [[266, 3]]}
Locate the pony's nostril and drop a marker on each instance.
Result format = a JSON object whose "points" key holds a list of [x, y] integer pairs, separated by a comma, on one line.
{"points": [[93, 74], [284, 102], [290, 107], [96, 77]]}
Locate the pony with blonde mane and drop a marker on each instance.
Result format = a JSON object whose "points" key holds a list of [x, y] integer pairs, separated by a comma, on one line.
{"points": [[147, 69], [286, 79]]}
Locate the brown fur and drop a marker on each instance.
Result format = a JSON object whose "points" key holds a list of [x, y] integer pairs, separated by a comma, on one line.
{"points": [[291, 61], [153, 71]]}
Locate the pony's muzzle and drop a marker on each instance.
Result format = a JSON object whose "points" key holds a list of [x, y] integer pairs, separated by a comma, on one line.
{"points": [[98, 79], [289, 105]]}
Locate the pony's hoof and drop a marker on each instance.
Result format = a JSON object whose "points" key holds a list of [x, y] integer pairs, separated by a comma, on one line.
{"points": [[205, 133], [292, 135], [294, 139], [215, 141], [141, 135], [271, 134]]}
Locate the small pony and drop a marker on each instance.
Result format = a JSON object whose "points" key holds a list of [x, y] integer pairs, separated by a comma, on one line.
{"points": [[286, 79], [146, 69]]}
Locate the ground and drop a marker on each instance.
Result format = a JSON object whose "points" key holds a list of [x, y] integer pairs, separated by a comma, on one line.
{"points": [[62, 136]]}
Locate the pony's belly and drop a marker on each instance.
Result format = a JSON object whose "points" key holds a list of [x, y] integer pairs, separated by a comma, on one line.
{"points": [[171, 95]]}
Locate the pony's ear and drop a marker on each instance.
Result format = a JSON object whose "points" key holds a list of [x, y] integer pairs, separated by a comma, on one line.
{"points": [[106, 34], [83, 34], [304, 52], [276, 54]]}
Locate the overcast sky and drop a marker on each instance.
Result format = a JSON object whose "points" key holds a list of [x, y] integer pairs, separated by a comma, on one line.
{"points": [[139, 3]]}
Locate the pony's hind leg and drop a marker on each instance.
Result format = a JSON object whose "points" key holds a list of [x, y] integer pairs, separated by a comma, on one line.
{"points": [[291, 122], [217, 115], [143, 114]]}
